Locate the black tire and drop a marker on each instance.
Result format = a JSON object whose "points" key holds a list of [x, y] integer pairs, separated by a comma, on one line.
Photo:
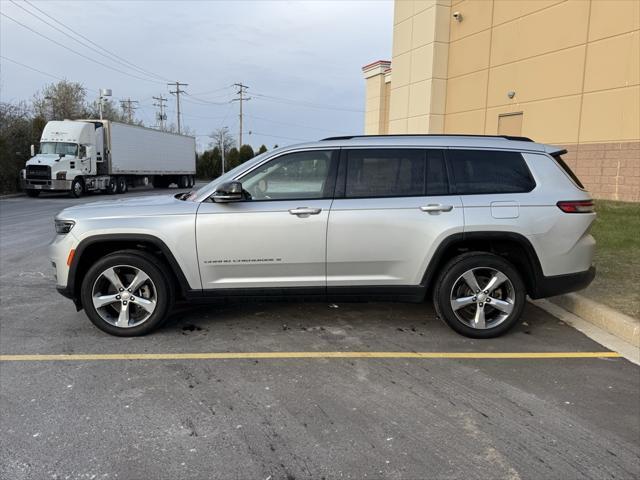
{"points": [[122, 185], [32, 193], [112, 186], [450, 277], [192, 181], [139, 260], [183, 182], [77, 188]]}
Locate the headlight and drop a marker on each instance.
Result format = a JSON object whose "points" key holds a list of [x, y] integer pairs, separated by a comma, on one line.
{"points": [[64, 226], [61, 175]]}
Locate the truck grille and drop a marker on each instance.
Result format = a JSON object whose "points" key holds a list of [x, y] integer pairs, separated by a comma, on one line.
{"points": [[39, 172]]}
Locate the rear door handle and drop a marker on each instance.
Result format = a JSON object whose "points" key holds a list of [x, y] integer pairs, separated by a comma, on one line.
{"points": [[305, 211], [436, 207]]}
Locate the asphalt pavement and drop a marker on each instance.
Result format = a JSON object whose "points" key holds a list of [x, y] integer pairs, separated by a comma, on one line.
{"points": [[539, 414]]}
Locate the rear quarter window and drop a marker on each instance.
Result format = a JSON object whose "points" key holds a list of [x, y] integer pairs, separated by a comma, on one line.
{"points": [[488, 171], [560, 161]]}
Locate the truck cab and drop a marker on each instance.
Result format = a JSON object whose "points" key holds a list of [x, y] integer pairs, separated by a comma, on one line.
{"points": [[69, 152]]}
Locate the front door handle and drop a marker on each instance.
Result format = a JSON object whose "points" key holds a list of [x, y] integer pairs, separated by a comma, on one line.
{"points": [[305, 211], [436, 207]]}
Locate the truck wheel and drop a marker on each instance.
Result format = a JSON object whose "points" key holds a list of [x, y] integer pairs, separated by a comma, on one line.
{"points": [[112, 186], [77, 188], [479, 295], [122, 185], [126, 294], [184, 182], [33, 193], [192, 181]]}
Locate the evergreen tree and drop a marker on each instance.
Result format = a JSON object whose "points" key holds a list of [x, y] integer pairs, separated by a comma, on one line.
{"points": [[246, 153], [232, 159]]}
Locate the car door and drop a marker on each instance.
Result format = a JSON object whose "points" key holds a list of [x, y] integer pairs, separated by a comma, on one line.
{"points": [[276, 236], [391, 211]]}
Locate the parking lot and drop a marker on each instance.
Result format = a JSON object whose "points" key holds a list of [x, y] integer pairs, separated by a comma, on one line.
{"points": [[295, 390]]}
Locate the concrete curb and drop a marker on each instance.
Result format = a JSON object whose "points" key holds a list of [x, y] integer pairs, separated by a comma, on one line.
{"points": [[591, 330], [622, 326]]}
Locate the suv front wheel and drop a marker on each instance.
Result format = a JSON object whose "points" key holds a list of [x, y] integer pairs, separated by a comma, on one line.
{"points": [[479, 295], [125, 294]]}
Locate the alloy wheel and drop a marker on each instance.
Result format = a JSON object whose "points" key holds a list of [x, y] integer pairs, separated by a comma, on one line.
{"points": [[482, 298], [124, 296]]}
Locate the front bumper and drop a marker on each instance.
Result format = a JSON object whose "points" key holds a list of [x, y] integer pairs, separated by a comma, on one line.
{"points": [[560, 284], [44, 184]]}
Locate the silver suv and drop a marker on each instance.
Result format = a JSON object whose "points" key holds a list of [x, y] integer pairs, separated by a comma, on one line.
{"points": [[475, 222]]}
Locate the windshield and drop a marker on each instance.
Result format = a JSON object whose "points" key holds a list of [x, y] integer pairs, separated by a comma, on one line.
{"points": [[59, 148]]}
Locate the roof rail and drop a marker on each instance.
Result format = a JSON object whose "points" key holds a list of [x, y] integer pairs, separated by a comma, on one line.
{"points": [[506, 137]]}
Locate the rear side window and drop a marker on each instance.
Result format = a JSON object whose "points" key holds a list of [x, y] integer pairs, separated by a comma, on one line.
{"points": [[559, 160], [385, 173], [487, 171]]}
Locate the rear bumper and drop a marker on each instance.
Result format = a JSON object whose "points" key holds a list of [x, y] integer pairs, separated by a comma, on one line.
{"points": [[53, 185], [560, 284]]}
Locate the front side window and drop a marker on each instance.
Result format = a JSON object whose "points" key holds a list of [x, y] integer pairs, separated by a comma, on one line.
{"points": [[294, 176], [59, 148], [487, 171], [385, 173]]}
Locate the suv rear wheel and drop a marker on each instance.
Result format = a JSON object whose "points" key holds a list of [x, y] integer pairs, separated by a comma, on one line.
{"points": [[479, 295], [125, 294]]}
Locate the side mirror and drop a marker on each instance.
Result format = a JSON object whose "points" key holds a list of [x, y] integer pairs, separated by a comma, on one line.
{"points": [[228, 192], [90, 150], [33, 150]]}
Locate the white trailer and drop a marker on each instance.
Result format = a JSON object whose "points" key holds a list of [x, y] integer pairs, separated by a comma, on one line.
{"points": [[78, 156]]}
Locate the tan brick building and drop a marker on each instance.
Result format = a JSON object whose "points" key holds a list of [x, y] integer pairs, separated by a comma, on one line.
{"points": [[565, 72]]}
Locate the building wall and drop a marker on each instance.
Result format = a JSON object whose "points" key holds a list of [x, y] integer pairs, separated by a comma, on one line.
{"points": [[565, 72]]}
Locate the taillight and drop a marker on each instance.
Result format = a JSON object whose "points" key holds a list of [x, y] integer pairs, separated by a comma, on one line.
{"points": [[579, 206]]}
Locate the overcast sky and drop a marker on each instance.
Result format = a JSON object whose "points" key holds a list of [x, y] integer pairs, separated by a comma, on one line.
{"points": [[307, 55]]}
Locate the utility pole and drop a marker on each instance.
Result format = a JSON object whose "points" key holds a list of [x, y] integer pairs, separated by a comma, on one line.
{"points": [[177, 93], [222, 131], [160, 116], [128, 108], [242, 89]]}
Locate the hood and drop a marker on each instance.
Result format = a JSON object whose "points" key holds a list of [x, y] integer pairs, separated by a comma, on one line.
{"points": [[151, 205], [44, 159]]}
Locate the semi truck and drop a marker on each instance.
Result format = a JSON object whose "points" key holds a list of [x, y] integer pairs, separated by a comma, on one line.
{"points": [[80, 156]]}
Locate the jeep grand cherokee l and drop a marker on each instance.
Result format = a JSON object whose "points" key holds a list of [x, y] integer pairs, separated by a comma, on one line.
{"points": [[476, 223]]}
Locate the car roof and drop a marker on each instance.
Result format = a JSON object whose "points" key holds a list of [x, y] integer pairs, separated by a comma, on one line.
{"points": [[522, 144]]}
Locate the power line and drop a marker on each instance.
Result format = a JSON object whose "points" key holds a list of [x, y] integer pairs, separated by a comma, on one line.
{"points": [[31, 68], [289, 101], [75, 51], [199, 101], [291, 124], [97, 45], [280, 136], [119, 60], [214, 91], [177, 93]]}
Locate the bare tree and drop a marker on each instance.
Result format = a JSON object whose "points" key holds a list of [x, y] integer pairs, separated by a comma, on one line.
{"points": [[61, 100], [222, 139]]}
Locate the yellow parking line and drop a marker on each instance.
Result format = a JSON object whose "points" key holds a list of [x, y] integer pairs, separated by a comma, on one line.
{"points": [[286, 355]]}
